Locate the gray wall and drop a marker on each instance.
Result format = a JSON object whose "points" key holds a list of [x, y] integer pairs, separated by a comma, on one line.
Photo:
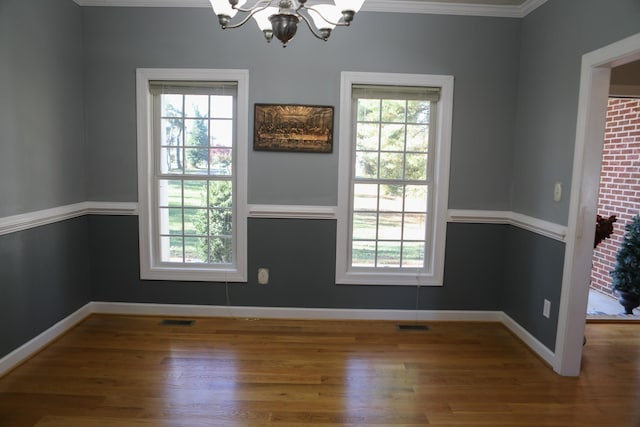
{"points": [[553, 39], [44, 270], [481, 53], [44, 276], [300, 255], [532, 273], [41, 114]]}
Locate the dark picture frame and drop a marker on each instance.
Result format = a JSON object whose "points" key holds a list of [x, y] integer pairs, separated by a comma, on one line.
{"points": [[293, 127]]}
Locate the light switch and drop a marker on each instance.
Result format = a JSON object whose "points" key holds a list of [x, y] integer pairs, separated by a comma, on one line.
{"points": [[557, 192]]}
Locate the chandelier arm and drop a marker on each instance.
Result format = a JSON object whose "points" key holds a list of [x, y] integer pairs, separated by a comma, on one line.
{"points": [[337, 24], [313, 31], [250, 12]]}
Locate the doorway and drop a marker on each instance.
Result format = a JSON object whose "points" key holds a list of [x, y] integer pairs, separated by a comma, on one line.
{"points": [[619, 191], [592, 103]]}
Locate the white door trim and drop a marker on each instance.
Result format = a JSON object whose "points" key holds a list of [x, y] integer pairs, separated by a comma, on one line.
{"points": [[592, 103]]}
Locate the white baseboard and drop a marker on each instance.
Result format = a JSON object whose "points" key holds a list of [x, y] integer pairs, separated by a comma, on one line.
{"points": [[34, 345], [532, 342], [30, 348], [292, 312]]}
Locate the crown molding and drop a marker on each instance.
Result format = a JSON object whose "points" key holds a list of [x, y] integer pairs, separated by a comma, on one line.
{"points": [[399, 6]]}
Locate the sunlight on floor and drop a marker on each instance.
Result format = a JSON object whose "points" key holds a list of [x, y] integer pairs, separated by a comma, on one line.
{"points": [[604, 305]]}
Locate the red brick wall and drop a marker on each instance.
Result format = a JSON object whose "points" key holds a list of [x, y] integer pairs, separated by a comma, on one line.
{"points": [[619, 183]]}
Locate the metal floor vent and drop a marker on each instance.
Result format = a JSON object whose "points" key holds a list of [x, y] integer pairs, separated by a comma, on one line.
{"points": [[177, 322], [413, 327]]}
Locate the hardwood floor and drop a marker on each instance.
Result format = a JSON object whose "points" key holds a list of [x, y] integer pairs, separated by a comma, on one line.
{"points": [[117, 371]]}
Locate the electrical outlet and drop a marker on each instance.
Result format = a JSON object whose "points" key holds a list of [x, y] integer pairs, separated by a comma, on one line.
{"points": [[546, 308], [263, 276]]}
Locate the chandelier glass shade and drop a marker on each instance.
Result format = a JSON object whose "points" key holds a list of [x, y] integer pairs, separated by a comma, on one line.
{"points": [[282, 20]]}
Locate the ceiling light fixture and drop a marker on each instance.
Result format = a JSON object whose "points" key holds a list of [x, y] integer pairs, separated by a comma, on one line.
{"points": [[282, 21]]}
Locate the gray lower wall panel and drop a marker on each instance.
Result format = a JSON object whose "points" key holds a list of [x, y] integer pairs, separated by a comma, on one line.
{"points": [[47, 273], [300, 255], [43, 278], [533, 273]]}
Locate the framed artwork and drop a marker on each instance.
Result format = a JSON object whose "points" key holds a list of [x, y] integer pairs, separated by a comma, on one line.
{"points": [[287, 127]]}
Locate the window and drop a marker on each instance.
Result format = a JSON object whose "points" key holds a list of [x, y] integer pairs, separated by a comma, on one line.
{"points": [[192, 174], [394, 168]]}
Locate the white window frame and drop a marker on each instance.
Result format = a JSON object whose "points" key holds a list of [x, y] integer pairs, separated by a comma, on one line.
{"points": [[150, 266], [433, 272]]}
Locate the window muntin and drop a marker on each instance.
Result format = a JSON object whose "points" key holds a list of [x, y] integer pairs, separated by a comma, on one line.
{"points": [[391, 177], [194, 173]]}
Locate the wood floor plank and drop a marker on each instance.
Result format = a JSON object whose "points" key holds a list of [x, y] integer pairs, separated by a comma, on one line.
{"points": [[115, 371]]}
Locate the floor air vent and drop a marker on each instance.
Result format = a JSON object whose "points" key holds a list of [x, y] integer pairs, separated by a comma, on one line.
{"points": [[413, 327], [177, 322]]}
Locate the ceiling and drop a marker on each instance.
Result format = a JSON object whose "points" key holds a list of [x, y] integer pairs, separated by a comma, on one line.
{"points": [[497, 8]]}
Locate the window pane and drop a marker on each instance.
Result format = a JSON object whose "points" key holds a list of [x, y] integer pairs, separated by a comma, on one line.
{"points": [[363, 254], [196, 105], [413, 254], [163, 221], [221, 163], [222, 106], [393, 110], [197, 161], [416, 168], [171, 160], [195, 193], [170, 220], [418, 111], [417, 138], [197, 135], [365, 197], [220, 195], [171, 249], [416, 198], [364, 226], [193, 249], [392, 138], [221, 133], [171, 131], [414, 226], [171, 105], [169, 192], [367, 136], [221, 222], [391, 165], [388, 254], [220, 250], [195, 222], [391, 198], [368, 110], [366, 164], [390, 226]]}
